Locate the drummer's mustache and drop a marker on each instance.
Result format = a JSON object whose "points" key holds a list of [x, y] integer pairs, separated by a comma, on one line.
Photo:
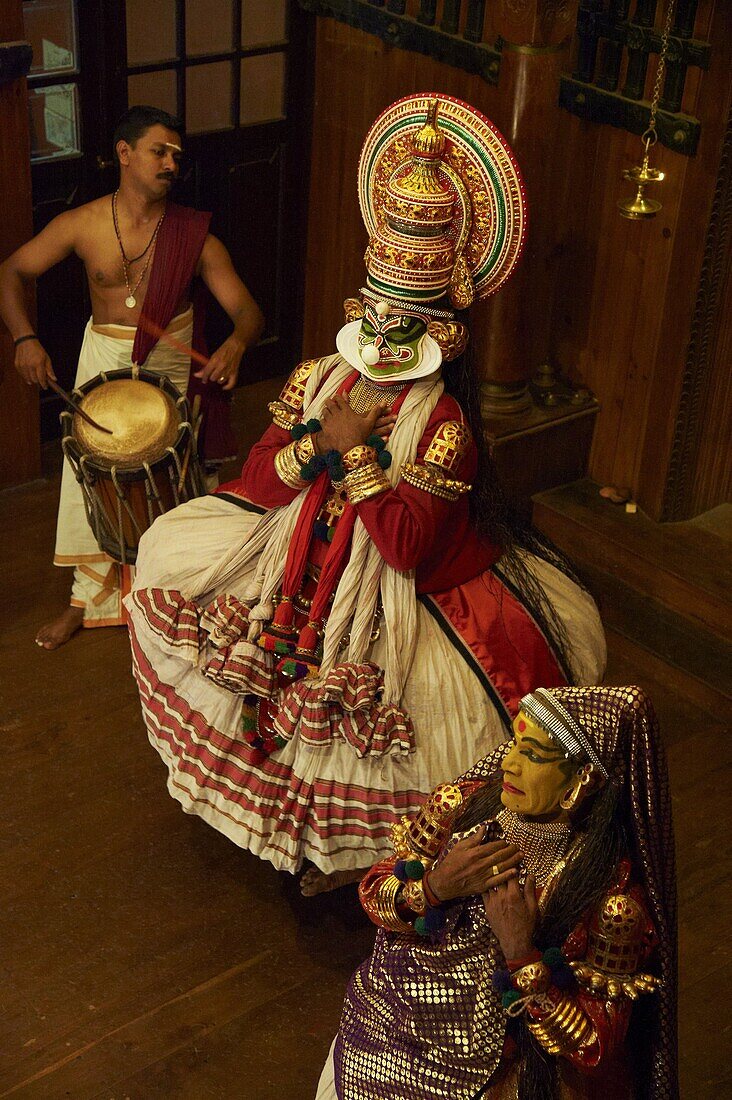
{"points": [[166, 175]]}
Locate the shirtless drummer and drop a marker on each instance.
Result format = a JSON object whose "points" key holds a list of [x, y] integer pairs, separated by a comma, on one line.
{"points": [[118, 238]]}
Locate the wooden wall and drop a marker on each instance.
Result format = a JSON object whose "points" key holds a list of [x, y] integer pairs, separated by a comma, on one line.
{"points": [[19, 441], [620, 296]]}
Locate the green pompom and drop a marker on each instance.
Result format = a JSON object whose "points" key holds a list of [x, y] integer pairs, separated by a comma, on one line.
{"points": [[298, 431], [510, 997], [420, 927], [314, 425], [553, 957], [414, 868], [384, 460]]}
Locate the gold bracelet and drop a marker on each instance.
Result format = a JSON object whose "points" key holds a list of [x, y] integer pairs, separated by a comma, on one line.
{"points": [[358, 456], [384, 905], [288, 467], [282, 415], [305, 449], [565, 1029], [365, 482]]}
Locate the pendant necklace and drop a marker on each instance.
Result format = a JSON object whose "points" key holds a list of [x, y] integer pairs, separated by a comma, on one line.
{"points": [[131, 300]]}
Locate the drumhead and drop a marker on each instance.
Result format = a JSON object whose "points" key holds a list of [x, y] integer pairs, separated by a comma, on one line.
{"points": [[143, 418]]}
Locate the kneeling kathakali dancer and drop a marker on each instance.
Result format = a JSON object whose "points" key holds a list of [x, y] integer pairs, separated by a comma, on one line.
{"points": [[527, 943], [294, 636]]}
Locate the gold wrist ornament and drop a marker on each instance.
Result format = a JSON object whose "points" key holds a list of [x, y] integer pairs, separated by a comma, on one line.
{"points": [[535, 977], [359, 456], [381, 905], [288, 467], [565, 1029], [305, 448], [365, 482]]}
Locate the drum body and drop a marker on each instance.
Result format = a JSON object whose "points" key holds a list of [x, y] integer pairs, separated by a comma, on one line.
{"points": [[148, 464]]}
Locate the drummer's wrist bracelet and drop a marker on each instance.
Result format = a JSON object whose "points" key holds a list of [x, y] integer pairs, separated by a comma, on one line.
{"points": [[28, 336]]}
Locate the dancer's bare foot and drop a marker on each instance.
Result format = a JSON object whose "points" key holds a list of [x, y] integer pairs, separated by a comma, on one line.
{"points": [[317, 882], [57, 633]]}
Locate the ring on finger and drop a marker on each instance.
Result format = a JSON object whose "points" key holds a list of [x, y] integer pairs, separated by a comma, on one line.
{"points": [[495, 870]]}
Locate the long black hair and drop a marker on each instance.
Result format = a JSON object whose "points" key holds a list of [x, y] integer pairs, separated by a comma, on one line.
{"points": [[502, 523]]}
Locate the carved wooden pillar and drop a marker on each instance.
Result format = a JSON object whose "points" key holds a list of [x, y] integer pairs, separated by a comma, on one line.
{"points": [[511, 331], [20, 450]]}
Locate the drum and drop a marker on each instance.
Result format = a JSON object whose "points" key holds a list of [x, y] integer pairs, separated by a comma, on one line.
{"points": [[148, 464]]}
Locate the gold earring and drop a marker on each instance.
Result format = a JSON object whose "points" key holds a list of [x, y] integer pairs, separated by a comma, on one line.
{"points": [[579, 789], [451, 336], [353, 309]]}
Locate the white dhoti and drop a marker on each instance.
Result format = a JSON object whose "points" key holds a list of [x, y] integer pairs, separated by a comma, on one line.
{"points": [[100, 583]]}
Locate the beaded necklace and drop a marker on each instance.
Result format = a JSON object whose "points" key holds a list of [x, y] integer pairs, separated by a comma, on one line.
{"points": [[543, 843], [131, 300]]}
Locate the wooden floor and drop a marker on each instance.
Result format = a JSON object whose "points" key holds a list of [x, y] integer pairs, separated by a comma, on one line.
{"points": [[142, 955]]}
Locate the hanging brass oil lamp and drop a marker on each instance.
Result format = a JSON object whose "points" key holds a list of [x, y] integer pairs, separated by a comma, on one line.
{"points": [[642, 175]]}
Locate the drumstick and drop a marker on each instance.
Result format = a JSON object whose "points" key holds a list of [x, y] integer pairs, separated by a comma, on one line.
{"points": [[161, 334], [77, 408], [189, 446]]}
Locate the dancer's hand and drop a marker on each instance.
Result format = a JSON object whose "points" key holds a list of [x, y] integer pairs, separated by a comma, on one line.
{"points": [[384, 426], [342, 428], [512, 913], [469, 867], [33, 364]]}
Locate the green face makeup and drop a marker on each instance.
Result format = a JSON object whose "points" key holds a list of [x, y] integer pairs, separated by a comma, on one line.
{"points": [[536, 772], [389, 342]]}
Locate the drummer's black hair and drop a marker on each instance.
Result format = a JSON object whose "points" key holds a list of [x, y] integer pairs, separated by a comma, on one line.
{"points": [[137, 120]]}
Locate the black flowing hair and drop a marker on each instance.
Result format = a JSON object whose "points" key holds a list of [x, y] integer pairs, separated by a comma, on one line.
{"points": [[502, 523], [602, 843]]}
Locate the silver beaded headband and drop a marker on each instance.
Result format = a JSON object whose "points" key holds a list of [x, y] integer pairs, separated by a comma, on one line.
{"points": [[561, 727], [408, 306]]}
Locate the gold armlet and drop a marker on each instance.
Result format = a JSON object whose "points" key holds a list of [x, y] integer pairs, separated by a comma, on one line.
{"points": [[565, 1029], [381, 906], [434, 481], [282, 415], [358, 456], [365, 482], [612, 986], [293, 395], [288, 467], [448, 445]]}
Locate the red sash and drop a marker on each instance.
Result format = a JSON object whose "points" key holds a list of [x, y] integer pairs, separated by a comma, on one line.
{"points": [[177, 252]]}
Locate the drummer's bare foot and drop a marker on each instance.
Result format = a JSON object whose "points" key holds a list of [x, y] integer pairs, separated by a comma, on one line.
{"points": [[55, 634], [317, 882]]}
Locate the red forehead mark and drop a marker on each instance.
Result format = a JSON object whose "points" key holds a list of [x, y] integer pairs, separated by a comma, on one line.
{"points": [[521, 725]]}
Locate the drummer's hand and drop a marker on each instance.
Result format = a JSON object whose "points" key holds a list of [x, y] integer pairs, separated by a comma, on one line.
{"points": [[33, 363], [223, 366]]}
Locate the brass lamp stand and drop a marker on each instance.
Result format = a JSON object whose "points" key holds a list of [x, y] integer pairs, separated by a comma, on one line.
{"points": [[640, 206]]}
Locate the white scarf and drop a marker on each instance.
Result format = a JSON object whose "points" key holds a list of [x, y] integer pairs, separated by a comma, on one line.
{"points": [[366, 573]]}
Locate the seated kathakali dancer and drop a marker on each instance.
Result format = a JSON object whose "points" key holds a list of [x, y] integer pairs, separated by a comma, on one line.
{"points": [[295, 635], [527, 942]]}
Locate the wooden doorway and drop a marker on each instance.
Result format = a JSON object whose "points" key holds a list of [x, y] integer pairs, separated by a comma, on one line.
{"points": [[236, 72]]}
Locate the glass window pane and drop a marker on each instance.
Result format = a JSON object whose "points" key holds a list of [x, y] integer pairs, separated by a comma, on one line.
{"points": [[262, 22], [150, 31], [262, 88], [154, 90], [50, 28], [208, 26], [208, 97], [54, 122]]}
